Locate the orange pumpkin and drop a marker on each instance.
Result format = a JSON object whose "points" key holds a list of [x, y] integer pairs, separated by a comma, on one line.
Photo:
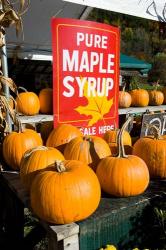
{"points": [[124, 99], [152, 149], [16, 144], [28, 103], [66, 193], [36, 159], [156, 97], [46, 100], [139, 97], [87, 149], [124, 175], [61, 135], [110, 137]]}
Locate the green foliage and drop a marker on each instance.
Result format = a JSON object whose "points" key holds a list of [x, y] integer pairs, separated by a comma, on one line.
{"points": [[140, 37], [135, 82], [158, 71], [143, 38]]}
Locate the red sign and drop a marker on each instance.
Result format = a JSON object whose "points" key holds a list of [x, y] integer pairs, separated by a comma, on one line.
{"points": [[85, 74]]}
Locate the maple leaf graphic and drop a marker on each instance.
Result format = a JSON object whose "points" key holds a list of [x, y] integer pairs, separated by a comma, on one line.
{"points": [[97, 106]]}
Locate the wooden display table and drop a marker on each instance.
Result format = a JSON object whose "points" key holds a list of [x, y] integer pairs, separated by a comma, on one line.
{"points": [[120, 221]]}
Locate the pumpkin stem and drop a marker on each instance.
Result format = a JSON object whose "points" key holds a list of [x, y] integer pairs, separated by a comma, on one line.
{"points": [[29, 152], [155, 130], [124, 87], [157, 84], [121, 151], [60, 166], [23, 89]]}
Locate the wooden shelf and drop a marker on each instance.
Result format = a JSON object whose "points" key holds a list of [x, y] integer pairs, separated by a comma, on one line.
{"points": [[36, 118], [135, 110], [131, 110]]}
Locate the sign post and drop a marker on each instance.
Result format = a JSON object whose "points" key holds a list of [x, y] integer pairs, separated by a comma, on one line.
{"points": [[158, 119], [85, 74]]}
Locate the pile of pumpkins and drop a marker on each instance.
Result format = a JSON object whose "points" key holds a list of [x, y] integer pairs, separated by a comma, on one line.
{"points": [[29, 103], [65, 175], [141, 98]]}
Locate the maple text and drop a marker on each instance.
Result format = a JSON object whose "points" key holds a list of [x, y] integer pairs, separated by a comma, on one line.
{"points": [[88, 62]]}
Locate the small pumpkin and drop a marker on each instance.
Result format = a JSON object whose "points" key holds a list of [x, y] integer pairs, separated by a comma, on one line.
{"points": [[61, 135], [139, 97], [124, 99], [123, 175], [28, 103], [89, 149], [16, 144], [46, 100], [36, 159], [152, 149], [156, 97], [67, 192]]}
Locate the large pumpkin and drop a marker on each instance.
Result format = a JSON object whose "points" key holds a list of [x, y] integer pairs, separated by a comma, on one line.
{"points": [[152, 149], [156, 97], [28, 103], [87, 149], [16, 144], [110, 137], [124, 99], [139, 97], [123, 175], [67, 192], [36, 159], [46, 100], [61, 135]]}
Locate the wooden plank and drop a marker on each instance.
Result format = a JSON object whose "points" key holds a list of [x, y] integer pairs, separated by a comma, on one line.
{"points": [[71, 243], [36, 118], [135, 110], [62, 231], [131, 110]]}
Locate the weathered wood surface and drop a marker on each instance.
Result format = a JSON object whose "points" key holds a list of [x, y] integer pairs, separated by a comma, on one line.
{"points": [[36, 118], [135, 110]]}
